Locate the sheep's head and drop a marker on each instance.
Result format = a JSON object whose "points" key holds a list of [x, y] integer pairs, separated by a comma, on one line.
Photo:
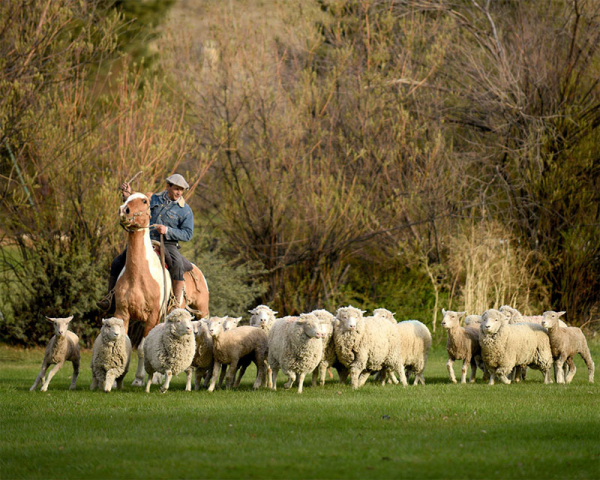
{"points": [[385, 314], [323, 315], [112, 328], [472, 319], [61, 325], [261, 316], [511, 313], [491, 321], [551, 319], [451, 319], [179, 322], [215, 326], [349, 317], [230, 322], [311, 326], [135, 212]]}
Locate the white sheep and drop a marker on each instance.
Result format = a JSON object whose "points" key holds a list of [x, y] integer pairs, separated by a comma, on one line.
{"points": [[415, 341], [473, 320], [63, 347], [329, 358], [366, 345], [462, 344], [169, 348], [295, 346], [565, 344], [263, 317], [237, 348], [110, 355], [514, 316], [505, 346]]}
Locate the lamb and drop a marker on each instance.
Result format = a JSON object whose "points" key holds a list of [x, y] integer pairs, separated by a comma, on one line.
{"points": [[329, 359], [505, 346], [414, 348], [263, 317], [295, 346], [565, 343], [514, 316], [239, 346], [202, 362], [462, 344], [169, 348], [230, 322], [63, 347], [110, 355], [386, 314], [474, 320], [366, 345]]}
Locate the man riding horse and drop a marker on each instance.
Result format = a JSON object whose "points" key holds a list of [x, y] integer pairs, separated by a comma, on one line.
{"points": [[174, 219]]}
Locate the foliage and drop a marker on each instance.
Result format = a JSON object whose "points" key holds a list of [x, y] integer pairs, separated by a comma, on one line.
{"points": [[436, 431]]}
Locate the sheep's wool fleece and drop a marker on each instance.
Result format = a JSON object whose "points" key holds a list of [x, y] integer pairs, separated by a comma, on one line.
{"points": [[164, 351], [108, 355], [415, 343], [518, 344], [291, 348], [63, 347], [239, 342], [374, 344]]}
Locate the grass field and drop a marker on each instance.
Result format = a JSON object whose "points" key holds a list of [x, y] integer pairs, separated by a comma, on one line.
{"points": [[441, 430]]}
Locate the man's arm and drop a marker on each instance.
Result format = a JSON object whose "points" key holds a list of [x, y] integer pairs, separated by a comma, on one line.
{"points": [[125, 190], [183, 232]]}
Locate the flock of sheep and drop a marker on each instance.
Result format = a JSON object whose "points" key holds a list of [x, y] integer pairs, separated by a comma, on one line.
{"points": [[502, 343]]}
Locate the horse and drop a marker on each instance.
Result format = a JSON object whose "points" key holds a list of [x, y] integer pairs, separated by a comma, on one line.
{"points": [[143, 287]]}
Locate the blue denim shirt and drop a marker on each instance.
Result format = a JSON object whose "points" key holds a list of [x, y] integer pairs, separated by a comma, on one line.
{"points": [[177, 216]]}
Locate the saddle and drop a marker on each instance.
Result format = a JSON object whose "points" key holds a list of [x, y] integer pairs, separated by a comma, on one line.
{"points": [[187, 265]]}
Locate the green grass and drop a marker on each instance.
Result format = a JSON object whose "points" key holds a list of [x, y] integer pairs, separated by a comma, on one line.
{"points": [[441, 430]]}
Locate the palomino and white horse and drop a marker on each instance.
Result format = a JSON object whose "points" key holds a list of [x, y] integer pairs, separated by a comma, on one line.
{"points": [[140, 288]]}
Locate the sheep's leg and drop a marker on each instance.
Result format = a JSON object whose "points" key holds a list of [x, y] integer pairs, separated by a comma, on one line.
{"points": [[222, 376], [473, 364], [501, 374], [120, 382], [207, 376], [315, 375], [354, 374], [274, 373], [362, 379], [241, 372], [109, 379], [393, 379], [291, 379], [301, 382], [53, 372], [421, 378], [342, 374], [198, 379], [449, 364], [571, 370], [188, 380], [268, 374], [463, 372], [587, 358], [165, 387], [402, 375], [548, 375], [231, 373], [558, 368], [215, 375], [139, 373], [94, 384], [41, 378], [73, 385], [492, 377]]}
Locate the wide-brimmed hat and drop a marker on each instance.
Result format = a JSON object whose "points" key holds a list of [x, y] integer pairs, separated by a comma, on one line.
{"points": [[178, 180]]}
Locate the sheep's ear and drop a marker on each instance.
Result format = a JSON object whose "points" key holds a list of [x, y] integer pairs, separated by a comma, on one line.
{"points": [[560, 314], [460, 314], [104, 321], [443, 311], [363, 311], [274, 312], [238, 319], [68, 319], [50, 319]]}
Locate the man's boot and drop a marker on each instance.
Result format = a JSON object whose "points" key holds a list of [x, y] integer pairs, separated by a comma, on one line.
{"points": [[178, 291], [107, 302]]}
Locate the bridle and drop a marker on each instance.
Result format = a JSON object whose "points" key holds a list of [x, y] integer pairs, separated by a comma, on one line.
{"points": [[128, 222]]}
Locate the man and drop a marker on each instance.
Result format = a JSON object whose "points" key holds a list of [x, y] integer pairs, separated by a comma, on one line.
{"points": [[174, 219]]}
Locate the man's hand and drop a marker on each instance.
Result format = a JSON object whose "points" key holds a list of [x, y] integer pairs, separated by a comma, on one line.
{"points": [[125, 190], [162, 229]]}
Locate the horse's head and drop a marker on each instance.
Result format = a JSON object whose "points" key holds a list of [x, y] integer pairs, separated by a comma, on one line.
{"points": [[134, 214]]}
